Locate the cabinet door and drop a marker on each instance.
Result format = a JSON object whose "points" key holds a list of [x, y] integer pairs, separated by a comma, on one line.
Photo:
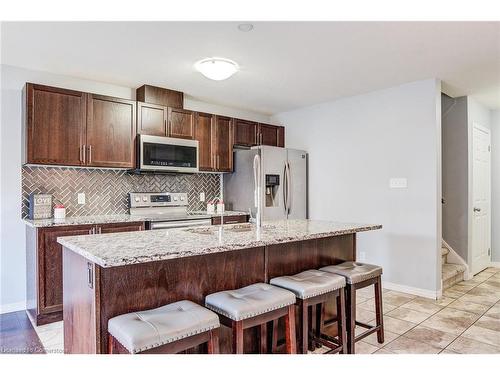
{"points": [[55, 122], [180, 123], [110, 132], [223, 137], [120, 227], [50, 290], [203, 134], [271, 135], [151, 119], [245, 132]]}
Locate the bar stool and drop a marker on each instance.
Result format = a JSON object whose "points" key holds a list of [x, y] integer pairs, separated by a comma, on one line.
{"points": [[167, 329], [360, 275], [255, 305], [312, 289]]}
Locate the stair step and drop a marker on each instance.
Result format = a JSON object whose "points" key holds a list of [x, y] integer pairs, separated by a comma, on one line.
{"points": [[452, 274]]}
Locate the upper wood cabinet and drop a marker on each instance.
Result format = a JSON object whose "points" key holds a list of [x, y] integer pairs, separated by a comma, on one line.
{"points": [[245, 133], [271, 135], [160, 96], [203, 130], [111, 129], [55, 125], [151, 119], [180, 123], [223, 143]]}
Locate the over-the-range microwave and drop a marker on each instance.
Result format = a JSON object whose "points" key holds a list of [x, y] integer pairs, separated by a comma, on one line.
{"points": [[164, 154]]}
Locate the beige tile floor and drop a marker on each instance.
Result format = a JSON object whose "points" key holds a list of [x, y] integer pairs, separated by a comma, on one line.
{"points": [[466, 320]]}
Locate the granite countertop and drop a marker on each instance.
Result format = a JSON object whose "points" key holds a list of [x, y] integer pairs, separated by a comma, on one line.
{"points": [[108, 219], [118, 249]]}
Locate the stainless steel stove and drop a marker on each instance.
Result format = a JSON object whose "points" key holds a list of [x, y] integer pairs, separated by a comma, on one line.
{"points": [[165, 210]]}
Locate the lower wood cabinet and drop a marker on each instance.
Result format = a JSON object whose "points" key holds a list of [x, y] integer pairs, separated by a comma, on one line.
{"points": [[232, 219], [44, 266]]}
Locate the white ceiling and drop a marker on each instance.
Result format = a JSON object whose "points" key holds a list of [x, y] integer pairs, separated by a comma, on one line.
{"points": [[284, 65]]}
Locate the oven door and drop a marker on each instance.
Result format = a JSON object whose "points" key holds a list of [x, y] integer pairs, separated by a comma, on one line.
{"points": [[167, 154], [179, 224]]}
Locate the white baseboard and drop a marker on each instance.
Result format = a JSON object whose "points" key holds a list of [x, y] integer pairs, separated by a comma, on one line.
{"points": [[432, 294], [495, 264], [11, 307]]}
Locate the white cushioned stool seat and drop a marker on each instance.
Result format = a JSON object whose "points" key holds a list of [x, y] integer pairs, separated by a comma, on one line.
{"points": [[354, 272], [310, 283], [143, 330], [252, 300]]}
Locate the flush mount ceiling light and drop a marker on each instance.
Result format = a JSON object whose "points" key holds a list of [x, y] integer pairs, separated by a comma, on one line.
{"points": [[216, 68]]}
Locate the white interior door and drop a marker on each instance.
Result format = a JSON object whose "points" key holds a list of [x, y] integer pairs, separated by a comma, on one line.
{"points": [[481, 199]]}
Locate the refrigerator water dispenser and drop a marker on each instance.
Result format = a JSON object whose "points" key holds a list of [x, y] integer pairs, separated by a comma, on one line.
{"points": [[272, 186]]}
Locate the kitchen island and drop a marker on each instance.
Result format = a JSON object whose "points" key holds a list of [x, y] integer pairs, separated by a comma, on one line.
{"points": [[112, 274]]}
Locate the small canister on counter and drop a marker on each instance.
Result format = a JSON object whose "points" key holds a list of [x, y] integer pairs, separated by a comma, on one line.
{"points": [[59, 211]]}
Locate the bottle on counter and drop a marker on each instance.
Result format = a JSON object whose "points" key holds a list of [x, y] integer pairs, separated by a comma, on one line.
{"points": [[59, 211], [220, 206]]}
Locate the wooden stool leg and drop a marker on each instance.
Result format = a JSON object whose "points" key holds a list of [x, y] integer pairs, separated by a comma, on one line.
{"points": [[274, 336], [341, 312], [291, 339], [110, 344], [351, 318], [320, 319], [213, 342], [378, 309], [238, 337], [304, 327], [263, 338], [312, 329]]}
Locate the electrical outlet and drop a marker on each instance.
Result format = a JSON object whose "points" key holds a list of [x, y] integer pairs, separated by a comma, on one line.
{"points": [[81, 198], [398, 183], [202, 197], [362, 256]]}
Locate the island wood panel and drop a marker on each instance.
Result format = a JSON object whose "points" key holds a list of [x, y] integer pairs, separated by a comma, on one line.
{"points": [[80, 304], [124, 289]]}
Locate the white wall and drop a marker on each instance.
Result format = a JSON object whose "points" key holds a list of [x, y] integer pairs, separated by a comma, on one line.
{"points": [[495, 185], [12, 230], [355, 146]]}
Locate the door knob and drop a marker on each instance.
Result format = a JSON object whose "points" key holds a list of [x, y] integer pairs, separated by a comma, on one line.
{"points": [[476, 209]]}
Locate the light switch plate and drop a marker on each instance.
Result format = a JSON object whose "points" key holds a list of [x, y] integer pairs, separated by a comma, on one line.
{"points": [[202, 197], [81, 198], [398, 183]]}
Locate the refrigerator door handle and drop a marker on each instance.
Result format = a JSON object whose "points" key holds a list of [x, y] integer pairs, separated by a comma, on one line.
{"points": [[288, 190], [285, 190]]}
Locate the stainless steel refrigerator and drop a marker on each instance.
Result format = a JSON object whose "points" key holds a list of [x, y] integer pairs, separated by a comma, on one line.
{"points": [[275, 176]]}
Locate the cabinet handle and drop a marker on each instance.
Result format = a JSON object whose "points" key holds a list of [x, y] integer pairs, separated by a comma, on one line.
{"points": [[99, 230], [231, 221], [82, 152], [90, 154], [90, 275], [91, 231]]}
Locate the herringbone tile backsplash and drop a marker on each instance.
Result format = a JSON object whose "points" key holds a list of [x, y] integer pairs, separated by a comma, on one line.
{"points": [[106, 190]]}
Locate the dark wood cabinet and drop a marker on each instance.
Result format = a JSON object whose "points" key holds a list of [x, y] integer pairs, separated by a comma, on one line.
{"points": [[271, 135], [55, 125], [160, 96], [44, 266], [223, 143], [152, 119], [245, 132], [232, 219], [111, 129], [180, 123], [203, 134]]}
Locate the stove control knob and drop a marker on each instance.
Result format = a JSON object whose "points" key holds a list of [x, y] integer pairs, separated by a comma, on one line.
{"points": [[182, 198], [175, 198], [144, 198], [137, 199]]}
